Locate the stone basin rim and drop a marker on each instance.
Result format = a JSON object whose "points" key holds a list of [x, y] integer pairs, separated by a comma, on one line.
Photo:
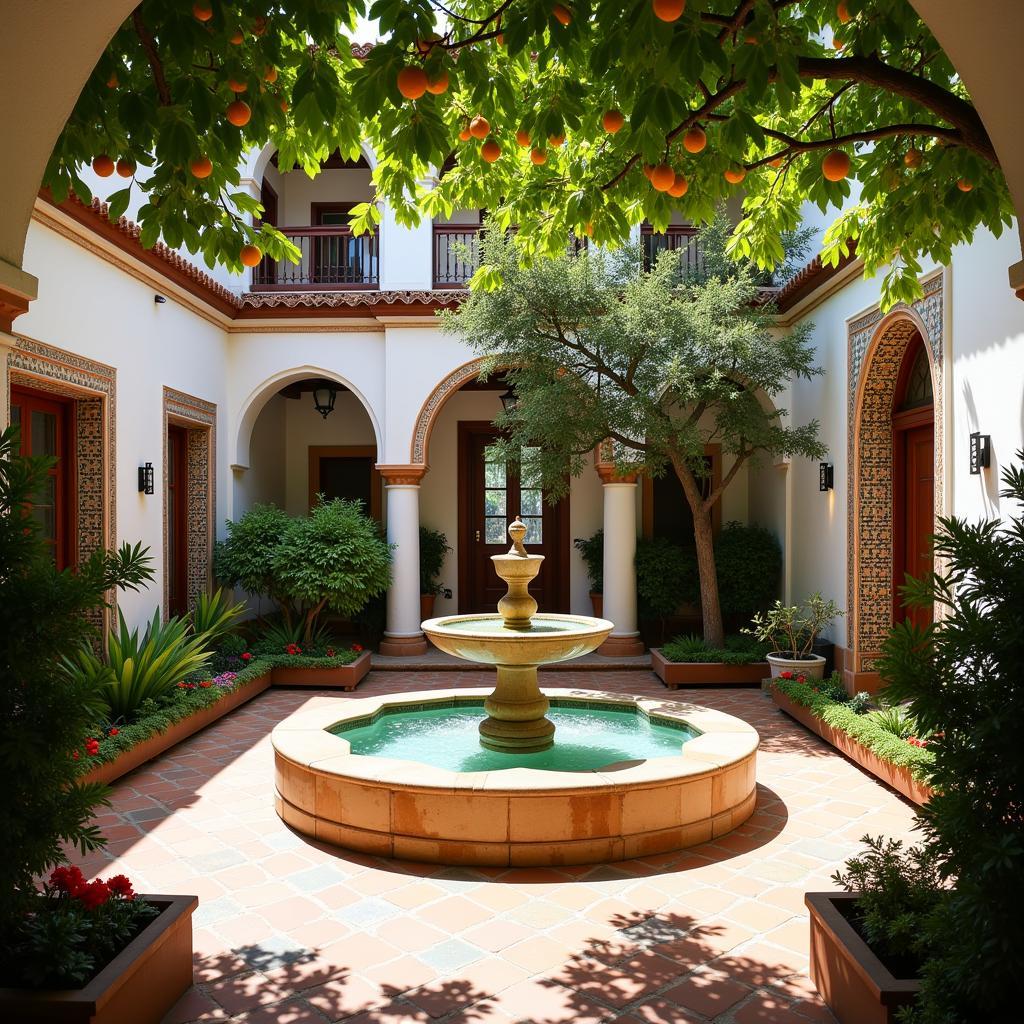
{"points": [[588, 626]]}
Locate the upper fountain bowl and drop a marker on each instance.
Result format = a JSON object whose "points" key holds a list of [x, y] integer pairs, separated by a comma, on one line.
{"points": [[486, 640]]}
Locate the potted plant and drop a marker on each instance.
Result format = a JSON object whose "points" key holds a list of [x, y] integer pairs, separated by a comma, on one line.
{"points": [[591, 549], [433, 548], [868, 943], [789, 632], [689, 661], [46, 710]]}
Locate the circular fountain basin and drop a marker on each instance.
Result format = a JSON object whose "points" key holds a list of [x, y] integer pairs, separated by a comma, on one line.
{"points": [[688, 777], [484, 639]]}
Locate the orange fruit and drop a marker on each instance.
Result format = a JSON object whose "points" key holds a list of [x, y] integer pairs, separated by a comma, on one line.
{"points": [[751, 40], [259, 26], [842, 13], [427, 43], [236, 38], [777, 162], [562, 14], [556, 140], [663, 177], [734, 175], [679, 187], [538, 156], [668, 10], [284, 105], [479, 127], [964, 185], [239, 113], [612, 121], [523, 137], [588, 230], [125, 167], [648, 170], [438, 85], [913, 158], [837, 44], [836, 165], [270, 75], [103, 166], [695, 140], [236, 86], [490, 151], [250, 255], [112, 82], [201, 167], [500, 38], [412, 82], [464, 135], [202, 11]]}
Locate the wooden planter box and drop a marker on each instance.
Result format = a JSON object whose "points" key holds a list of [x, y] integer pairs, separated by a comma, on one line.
{"points": [[696, 673], [900, 779], [138, 986], [855, 984], [161, 741], [341, 677]]}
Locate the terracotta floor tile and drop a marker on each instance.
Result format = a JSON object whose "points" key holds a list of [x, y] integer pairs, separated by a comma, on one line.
{"points": [[534, 1000], [345, 997], [709, 994], [454, 914]]}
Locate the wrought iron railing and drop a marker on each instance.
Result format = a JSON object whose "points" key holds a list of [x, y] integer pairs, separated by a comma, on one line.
{"points": [[331, 257], [683, 240], [456, 250]]}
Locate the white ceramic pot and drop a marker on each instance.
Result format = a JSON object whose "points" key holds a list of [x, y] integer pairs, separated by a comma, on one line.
{"points": [[811, 665]]}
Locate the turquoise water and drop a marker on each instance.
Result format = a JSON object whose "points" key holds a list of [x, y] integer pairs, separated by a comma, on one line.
{"points": [[586, 738], [491, 625]]}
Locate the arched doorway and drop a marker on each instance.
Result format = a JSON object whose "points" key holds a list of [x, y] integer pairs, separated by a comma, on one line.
{"points": [[913, 453]]}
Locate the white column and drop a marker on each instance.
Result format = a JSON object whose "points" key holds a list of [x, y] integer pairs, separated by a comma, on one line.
{"points": [[619, 568], [402, 634]]}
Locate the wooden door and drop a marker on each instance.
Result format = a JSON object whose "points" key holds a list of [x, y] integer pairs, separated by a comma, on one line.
{"points": [[177, 520], [914, 553], [345, 471], [490, 498], [44, 421]]}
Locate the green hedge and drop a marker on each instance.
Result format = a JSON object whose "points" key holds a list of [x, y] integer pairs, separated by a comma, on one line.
{"points": [[859, 727], [738, 650], [180, 704]]}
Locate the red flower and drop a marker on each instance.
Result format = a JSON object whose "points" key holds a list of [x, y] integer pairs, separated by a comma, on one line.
{"points": [[92, 747], [801, 679], [357, 647], [206, 683], [121, 886], [330, 652], [74, 755], [67, 881], [94, 895], [246, 656], [113, 732], [183, 685], [782, 675]]}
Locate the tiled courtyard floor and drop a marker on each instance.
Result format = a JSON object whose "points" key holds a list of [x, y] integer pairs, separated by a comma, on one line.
{"points": [[291, 932]]}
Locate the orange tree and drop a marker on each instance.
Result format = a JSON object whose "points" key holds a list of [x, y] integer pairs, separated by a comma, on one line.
{"points": [[578, 116]]}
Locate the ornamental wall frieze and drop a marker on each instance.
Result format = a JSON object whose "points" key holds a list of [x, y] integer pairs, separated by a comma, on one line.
{"points": [[349, 299]]}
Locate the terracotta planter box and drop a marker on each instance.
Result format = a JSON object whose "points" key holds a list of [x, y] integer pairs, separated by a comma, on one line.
{"points": [[900, 779], [856, 985], [597, 603], [341, 677], [696, 673], [138, 986], [161, 741], [427, 606]]}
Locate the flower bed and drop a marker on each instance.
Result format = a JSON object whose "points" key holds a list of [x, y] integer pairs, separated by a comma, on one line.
{"points": [[688, 661], [899, 763]]}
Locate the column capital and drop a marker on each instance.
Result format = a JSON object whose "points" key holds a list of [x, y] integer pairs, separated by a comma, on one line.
{"points": [[409, 476], [604, 463]]}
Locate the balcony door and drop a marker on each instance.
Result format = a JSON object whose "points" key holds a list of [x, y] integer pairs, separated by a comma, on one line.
{"points": [[338, 258], [490, 497]]}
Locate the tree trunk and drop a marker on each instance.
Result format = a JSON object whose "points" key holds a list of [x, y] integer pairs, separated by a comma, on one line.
{"points": [[711, 609], [311, 617]]}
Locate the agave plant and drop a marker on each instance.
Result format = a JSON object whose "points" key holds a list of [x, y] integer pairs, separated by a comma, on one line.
{"points": [[213, 616], [896, 720], [279, 634], [150, 667]]}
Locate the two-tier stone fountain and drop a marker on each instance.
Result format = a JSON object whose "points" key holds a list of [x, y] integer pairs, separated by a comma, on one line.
{"points": [[513, 775]]}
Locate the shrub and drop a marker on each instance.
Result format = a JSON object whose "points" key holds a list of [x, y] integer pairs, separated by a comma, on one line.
{"points": [[738, 650], [860, 703], [961, 679], [592, 551], [791, 629], [45, 710], [277, 635], [245, 559], [433, 548], [334, 558], [214, 617], [666, 577], [748, 560]]}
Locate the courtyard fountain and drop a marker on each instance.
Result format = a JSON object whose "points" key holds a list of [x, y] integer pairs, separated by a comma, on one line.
{"points": [[514, 775]]}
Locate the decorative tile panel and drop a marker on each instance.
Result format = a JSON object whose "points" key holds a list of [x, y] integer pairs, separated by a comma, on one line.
{"points": [[432, 406]]}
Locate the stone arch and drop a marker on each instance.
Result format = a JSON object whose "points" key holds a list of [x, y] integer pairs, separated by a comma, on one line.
{"points": [[257, 160], [877, 345], [435, 401], [266, 389]]}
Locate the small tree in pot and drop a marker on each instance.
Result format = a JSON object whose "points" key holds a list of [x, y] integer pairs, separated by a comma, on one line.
{"points": [[591, 550], [790, 632], [433, 548]]}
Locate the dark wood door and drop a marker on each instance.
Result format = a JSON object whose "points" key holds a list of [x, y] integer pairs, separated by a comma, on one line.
{"points": [[918, 525], [177, 520], [491, 495]]}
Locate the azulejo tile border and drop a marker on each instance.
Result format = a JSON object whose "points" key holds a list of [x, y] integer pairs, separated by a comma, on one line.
{"points": [[877, 343], [199, 417]]}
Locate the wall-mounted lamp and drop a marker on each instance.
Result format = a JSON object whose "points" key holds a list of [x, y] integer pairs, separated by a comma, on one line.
{"points": [[981, 450], [146, 478], [160, 299], [509, 400], [826, 476], [323, 400]]}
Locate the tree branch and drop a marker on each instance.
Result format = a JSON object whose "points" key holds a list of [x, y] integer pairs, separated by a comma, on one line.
{"points": [[153, 55], [710, 500]]}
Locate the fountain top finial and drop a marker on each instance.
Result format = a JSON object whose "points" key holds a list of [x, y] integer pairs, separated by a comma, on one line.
{"points": [[517, 531]]}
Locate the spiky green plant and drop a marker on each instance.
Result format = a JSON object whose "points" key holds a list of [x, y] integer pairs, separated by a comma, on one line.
{"points": [[895, 720], [214, 615]]}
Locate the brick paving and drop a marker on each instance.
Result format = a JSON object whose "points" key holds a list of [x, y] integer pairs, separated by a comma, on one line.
{"points": [[289, 931]]}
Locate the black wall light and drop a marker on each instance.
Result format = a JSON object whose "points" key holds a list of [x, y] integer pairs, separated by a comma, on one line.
{"points": [[323, 399], [509, 401], [826, 476], [146, 478], [981, 450], [161, 299]]}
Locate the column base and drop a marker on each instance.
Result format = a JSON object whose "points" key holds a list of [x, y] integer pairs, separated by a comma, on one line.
{"points": [[403, 646], [621, 647]]}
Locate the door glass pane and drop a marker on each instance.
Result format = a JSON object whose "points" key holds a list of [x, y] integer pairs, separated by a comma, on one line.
{"points": [[531, 502], [494, 503], [534, 530], [44, 433], [529, 476], [494, 474], [494, 530]]}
